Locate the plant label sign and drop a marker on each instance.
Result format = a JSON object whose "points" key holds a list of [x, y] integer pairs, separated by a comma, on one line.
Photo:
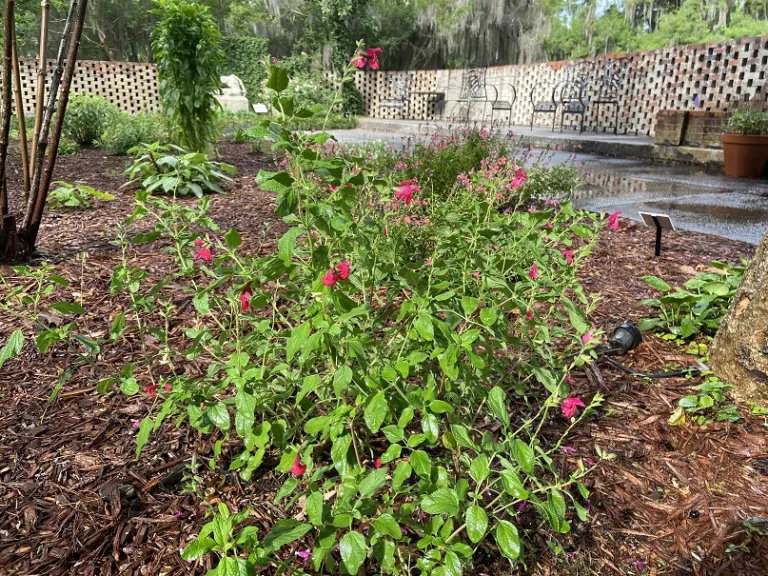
{"points": [[659, 221]]}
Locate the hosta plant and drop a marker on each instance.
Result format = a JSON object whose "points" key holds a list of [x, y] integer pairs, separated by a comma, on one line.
{"points": [[401, 363], [75, 196], [173, 171]]}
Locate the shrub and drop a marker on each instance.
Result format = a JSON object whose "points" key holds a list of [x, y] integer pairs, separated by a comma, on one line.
{"points": [[242, 55], [67, 147], [699, 306], [173, 170], [749, 121], [186, 44], [87, 118], [398, 361], [127, 131], [75, 196]]}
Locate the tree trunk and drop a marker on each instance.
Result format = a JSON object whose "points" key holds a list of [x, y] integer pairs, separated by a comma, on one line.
{"points": [[740, 351]]}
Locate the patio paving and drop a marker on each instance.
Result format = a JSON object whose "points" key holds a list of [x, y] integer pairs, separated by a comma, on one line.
{"points": [[696, 198]]}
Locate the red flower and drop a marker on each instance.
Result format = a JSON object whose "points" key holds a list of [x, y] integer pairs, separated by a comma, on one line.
{"points": [[568, 255], [534, 272], [373, 58], [151, 390], [406, 191], [359, 62], [343, 270], [168, 388], [377, 463], [245, 299], [570, 405], [204, 254], [199, 243], [529, 315], [330, 278], [613, 220], [298, 468]]}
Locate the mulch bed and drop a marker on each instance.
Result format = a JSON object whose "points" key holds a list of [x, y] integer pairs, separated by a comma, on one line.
{"points": [[73, 499]]}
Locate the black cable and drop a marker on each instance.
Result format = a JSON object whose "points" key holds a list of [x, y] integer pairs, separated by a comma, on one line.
{"points": [[687, 371]]}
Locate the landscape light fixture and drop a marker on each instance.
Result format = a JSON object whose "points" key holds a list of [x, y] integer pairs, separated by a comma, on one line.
{"points": [[626, 337]]}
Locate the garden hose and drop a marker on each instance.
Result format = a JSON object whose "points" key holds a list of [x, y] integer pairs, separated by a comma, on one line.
{"points": [[682, 372]]}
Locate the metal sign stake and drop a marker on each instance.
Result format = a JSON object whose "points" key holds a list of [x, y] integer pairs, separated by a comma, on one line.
{"points": [[659, 221]]}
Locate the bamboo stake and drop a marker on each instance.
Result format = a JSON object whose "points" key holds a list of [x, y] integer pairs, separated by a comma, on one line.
{"points": [[6, 108], [20, 112], [42, 137], [42, 69], [42, 191]]}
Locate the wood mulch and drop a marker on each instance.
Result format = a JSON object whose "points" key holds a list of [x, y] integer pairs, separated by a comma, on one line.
{"points": [[73, 499]]}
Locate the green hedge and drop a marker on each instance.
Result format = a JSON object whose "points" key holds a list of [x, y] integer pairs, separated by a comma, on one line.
{"points": [[242, 59]]}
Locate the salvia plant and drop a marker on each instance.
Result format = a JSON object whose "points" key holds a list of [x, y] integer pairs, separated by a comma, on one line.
{"points": [[401, 361], [75, 196]]}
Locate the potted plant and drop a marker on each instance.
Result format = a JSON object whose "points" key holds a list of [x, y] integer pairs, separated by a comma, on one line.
{"points": [[745, 144]]}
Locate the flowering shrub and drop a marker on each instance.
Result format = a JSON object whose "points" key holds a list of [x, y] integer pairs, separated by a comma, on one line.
{"points": [[402, 361]]}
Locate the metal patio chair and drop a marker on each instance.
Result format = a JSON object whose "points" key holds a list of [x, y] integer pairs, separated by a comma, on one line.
{"points": [[572, 92], [612, 79], [395, 93], [503, 105]]}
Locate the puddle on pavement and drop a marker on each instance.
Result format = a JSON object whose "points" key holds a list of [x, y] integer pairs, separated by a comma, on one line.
{"points": [[717, 212]]}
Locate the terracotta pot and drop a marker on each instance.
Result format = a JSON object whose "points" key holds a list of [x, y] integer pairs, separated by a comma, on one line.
{"points": [[745, 156]]}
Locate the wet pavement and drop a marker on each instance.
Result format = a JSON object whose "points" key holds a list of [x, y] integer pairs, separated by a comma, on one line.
{"points": [[695, 198]]}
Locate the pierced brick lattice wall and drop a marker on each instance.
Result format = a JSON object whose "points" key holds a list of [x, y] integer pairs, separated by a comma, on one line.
{"points": [[704, 77], [131, 86]]}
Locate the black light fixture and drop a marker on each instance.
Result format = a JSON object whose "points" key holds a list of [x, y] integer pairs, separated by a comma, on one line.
{"points": [[626, 337]]}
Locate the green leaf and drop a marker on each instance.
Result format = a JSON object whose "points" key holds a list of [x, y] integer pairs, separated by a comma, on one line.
{"points": [[13, 347], [229, 566], [278, 79], [441, 501], [513, 485], [298, 338], [372, 482], [461, 435], [315, 508], [657, 283], [232, 239], [129, 386], [524, 456], [376, 412], [143, 436], [342, 379], [388, 526], [68, 308], [477, 523], [285, 532], [201, 304], [480, 468], [440, 407], [198, 548], [425, 327], [353, 551], [402, 472], [421, 464], [488, 316], [218, 415], [508, 539], [469, 305], [498, 404], [287, 244]]}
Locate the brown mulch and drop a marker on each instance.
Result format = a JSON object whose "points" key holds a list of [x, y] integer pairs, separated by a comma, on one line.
{"points": [[73, 499]]}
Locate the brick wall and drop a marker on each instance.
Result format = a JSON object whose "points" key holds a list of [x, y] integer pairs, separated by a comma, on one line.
{"points": [[702, 77], [703, 129]]}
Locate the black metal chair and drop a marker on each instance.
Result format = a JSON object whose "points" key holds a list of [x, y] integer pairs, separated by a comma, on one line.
{"points": [[572, 92], [612, 79], [473, 89], [544, 101], [396, 92], [503, 105]]}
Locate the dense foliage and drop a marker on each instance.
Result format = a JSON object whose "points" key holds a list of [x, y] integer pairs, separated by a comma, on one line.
{"points": [[186, 45], [422, 33], [241, 58], [88, 116], [749, 121]]}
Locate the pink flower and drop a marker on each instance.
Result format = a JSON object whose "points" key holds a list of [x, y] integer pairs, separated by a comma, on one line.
{"points": [[568, 449], [275, 61], [429, 261], [534, 272], [199, 243], [373, 58], [613, 220], [407, 220], [476, 274], [343, 270], [136, 424], [377, 463], [529, 315], [151, 390], [522, 506], [359, 62], [589, 462], [406, 191], [570, 405], [204, 254], [304, 554], [178, 515], [426, 220], [568, 255], [587, 338], [245, 299], [298, 468], [330, 278], [168, 388]]}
